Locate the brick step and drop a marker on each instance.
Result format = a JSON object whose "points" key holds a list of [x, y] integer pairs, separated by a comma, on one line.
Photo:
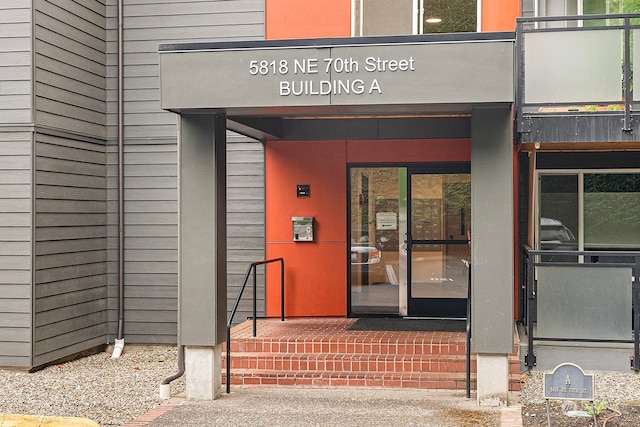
{"points": [[324, 352], [424, 380], [350, 346], [406, 363]]}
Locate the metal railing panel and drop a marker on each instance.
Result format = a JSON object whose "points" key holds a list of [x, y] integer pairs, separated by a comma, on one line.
{"points": [[573, 67], [601, 299], [584, 302]]}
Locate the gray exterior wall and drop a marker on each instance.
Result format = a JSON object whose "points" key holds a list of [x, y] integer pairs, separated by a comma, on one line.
{"points": [[70, 179], [150, 135], [16, 134], [245, 220]]}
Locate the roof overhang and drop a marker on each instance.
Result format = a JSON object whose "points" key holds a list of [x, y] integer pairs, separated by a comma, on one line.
{"points": [[358, 87]]}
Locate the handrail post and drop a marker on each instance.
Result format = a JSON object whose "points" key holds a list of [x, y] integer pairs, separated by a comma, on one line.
{"points": [[635, 297], [228, 360], [468, 361], [282, 289], [530, 358], [255, 304], [627, 76]]}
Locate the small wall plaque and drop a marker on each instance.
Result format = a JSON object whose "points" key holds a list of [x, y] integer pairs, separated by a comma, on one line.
{"points": [[303, 190], [568, 382]]}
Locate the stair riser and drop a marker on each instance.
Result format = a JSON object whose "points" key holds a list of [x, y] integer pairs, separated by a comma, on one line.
{"points": [[354, 381], [356, 363], [266, 346], [350, 364]]}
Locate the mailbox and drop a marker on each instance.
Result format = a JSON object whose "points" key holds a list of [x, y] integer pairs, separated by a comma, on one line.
{"points": [[302, 228]]}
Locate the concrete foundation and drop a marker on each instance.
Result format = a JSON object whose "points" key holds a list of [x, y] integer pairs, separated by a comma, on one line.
{"points": [[493, 379], [203, 372]]}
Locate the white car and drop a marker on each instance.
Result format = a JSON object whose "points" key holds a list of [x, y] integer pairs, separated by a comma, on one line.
{"points": [[554, 235], [364, 255]]}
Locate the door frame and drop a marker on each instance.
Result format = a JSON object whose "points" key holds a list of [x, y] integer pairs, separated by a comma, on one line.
{"points": [[432, 307], [408, 306]]}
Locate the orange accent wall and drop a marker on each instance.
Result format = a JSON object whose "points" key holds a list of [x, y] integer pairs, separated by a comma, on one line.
{"points": [[499, 15], [290, 19], [316, 272]]}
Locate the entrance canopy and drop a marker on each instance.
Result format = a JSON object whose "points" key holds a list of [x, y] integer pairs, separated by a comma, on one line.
{"points": [[406, 87], [361, 88]]}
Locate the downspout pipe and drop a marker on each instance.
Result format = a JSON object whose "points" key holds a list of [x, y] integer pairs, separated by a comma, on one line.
{"points": [[119, 343], [165, 385]]}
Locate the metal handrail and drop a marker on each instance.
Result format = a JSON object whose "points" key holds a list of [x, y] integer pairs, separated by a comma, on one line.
{"points": [[468, 343], [530, 289], [252, 268]]}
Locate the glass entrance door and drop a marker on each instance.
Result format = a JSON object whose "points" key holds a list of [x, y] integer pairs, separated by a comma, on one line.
{"points": [[409, 232], [438, 251], [377, 220]]}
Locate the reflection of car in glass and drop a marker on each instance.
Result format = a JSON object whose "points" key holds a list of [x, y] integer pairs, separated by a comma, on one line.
{"points": [[365, 255], [366, 263], [554, 235]]}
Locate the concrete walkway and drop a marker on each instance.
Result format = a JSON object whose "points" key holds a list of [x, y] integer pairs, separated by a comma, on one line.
{"points": [[292, 406]]}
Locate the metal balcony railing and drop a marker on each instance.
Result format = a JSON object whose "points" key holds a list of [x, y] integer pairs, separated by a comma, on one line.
{"points": [[577, 66], [581, 296]]}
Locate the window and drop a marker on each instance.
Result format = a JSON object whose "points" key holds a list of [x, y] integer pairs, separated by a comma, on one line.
{"points": [[589, 210], [447, 16], [586, 7], [384, 17]]}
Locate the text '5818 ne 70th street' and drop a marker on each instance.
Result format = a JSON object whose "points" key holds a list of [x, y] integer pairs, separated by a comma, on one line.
{"points": [[325, 75]]}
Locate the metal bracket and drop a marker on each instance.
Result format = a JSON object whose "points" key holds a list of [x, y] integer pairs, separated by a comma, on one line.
{"points": [[530, 359]]}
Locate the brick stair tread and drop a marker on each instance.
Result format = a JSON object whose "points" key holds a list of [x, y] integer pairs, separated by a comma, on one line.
{"points": [[348, 346], [340, 356]]}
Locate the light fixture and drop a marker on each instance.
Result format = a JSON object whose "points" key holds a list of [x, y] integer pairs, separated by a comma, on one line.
{"points": [[433, 20]]}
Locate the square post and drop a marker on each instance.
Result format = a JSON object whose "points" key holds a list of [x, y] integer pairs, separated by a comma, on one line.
{"points": [[202, 251]]}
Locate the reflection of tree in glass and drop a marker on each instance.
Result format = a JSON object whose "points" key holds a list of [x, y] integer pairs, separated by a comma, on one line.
{"points": [[458, 16], [612, 209]]}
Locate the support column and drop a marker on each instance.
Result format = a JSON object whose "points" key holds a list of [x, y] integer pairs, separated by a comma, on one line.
{"points": [[492, 246], [202, 301], [203, 370]]}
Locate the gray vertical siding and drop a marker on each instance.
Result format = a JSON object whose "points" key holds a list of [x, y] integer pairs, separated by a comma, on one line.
{"points": [[70, 288], [150, 173], [15, 183]]}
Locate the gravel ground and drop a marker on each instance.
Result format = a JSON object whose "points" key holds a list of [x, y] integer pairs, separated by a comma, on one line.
{"points": [[619, 394], [109, 391], [612, 387]]}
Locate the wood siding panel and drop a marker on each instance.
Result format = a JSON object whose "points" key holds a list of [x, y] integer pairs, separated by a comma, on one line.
{"points": [[71, 247], [151, 183], [245, 221], [15, 63], [15, 244], [70, 66]]}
